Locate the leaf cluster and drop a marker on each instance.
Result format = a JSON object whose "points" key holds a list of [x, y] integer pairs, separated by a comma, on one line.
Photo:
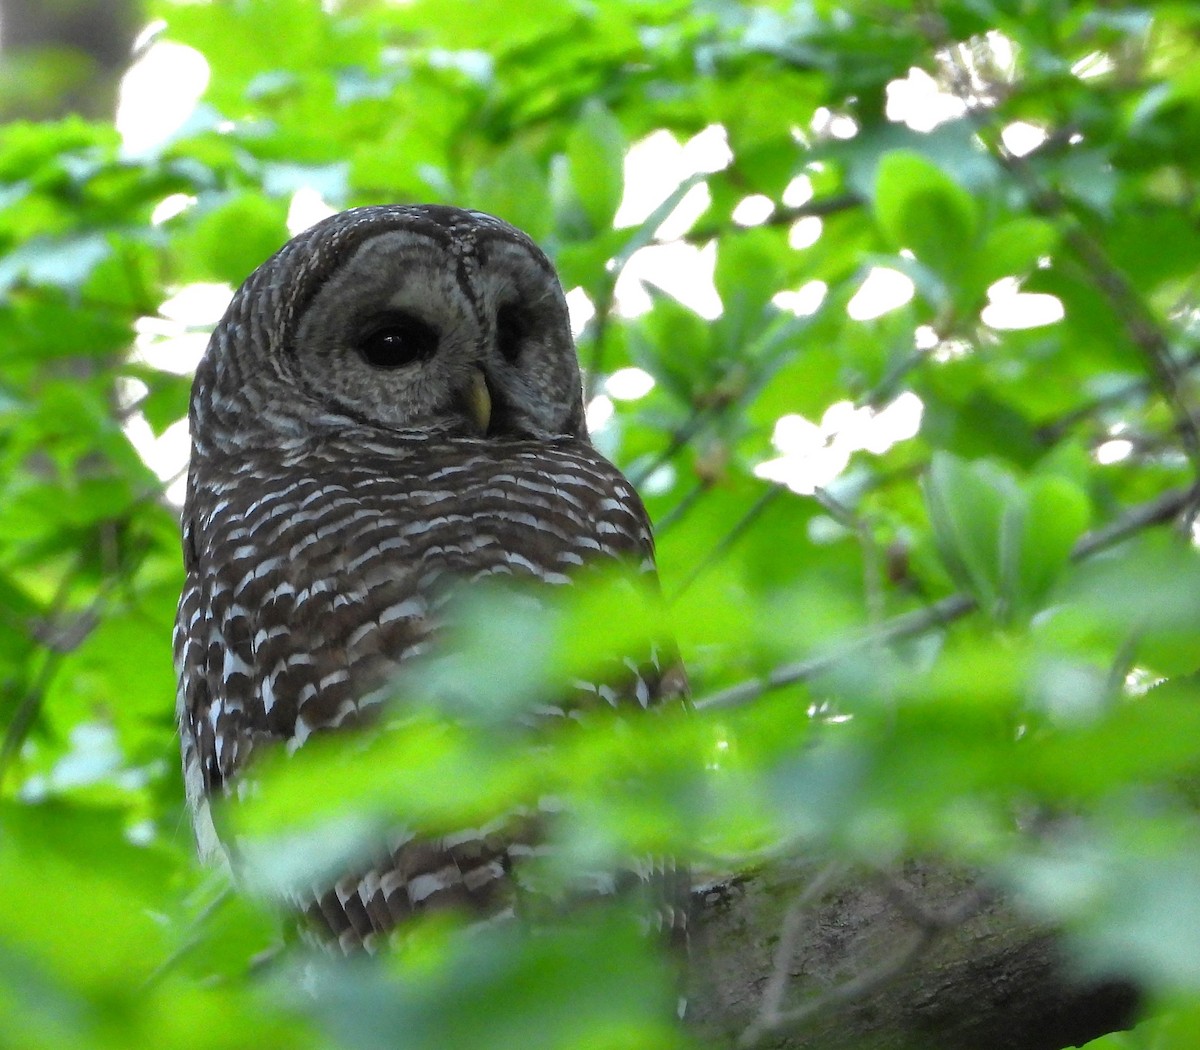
{"points": [[1027, 175]]}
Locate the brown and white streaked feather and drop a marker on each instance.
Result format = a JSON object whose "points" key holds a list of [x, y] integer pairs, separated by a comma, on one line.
{"points": [[320, 540]]}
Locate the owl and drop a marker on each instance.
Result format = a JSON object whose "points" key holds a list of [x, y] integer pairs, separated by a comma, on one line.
{"points": [[390, 407]]}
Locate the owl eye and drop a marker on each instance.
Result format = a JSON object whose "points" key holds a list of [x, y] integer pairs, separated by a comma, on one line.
{"points": [[397, 340], [512, 326]]}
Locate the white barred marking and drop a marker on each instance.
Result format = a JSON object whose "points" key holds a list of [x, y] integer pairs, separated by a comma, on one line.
{"points": [[407, 609]]}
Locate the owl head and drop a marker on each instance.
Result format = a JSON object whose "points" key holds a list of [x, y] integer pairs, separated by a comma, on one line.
{"points": [[401, 317]]}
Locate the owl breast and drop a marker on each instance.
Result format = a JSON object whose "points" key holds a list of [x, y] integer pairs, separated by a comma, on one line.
{"points": [[320, 572]]}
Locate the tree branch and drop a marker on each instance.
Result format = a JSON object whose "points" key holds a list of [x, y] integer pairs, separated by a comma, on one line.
{"points": [[954, 607], [938, 958]]}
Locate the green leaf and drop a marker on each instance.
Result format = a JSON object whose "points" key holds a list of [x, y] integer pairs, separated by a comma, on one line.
{"points": [[1003, 542], [1146, 590], [967, 504], [921, 208], [1013, 248], [167, 400], [746, 277], [596, 152], [231, 239], [1057, 512], [591, 985], [513, 186]]}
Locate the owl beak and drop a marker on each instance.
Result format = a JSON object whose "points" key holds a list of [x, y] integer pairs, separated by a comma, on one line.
{"points": [[478, 400]]}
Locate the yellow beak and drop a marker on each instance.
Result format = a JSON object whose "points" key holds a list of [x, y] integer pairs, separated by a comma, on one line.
{"points": [[478, 400]]}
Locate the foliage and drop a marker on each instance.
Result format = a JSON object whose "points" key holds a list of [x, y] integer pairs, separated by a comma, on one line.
{"points": [[927, 637]]}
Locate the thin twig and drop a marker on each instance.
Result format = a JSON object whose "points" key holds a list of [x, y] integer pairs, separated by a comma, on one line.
{"points": [[639, 238], [872, 577], [954, 607], [680, 511], [780, 217], [862, 985], [928, 927], [190, 940], [771, 1004], [59, 638], [729, 539], [901, 895], [1053, 431], [680, 439], [872, 564]]}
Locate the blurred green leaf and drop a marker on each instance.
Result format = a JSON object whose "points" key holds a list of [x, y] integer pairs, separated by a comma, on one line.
{"points": [[1014, 247], [596, 149], [229, 240], [921, 208], [967, 506], [1003, 541], [592, 986], [1056, 512]]}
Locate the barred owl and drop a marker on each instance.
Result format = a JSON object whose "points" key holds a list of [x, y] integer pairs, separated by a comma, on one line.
{"points": [[391, 403]]}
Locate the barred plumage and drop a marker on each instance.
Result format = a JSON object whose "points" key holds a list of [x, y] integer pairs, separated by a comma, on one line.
{"points": [[391, 404]]}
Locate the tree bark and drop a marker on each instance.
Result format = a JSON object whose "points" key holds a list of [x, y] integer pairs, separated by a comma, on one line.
{"points": [[927, 957]]}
